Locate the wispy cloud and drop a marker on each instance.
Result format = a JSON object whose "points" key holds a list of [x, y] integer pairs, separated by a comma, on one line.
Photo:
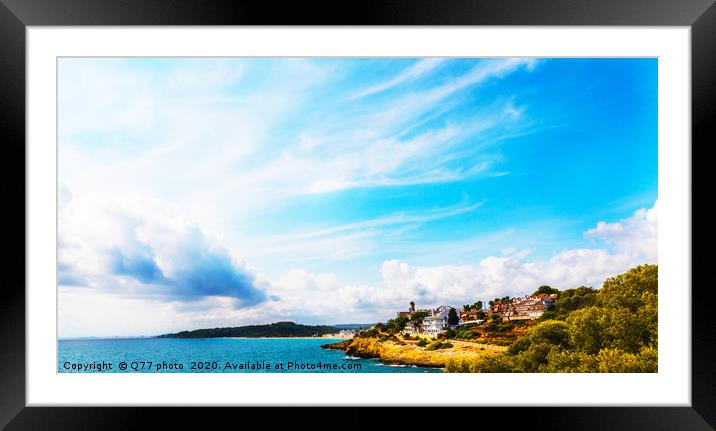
{"points": [[399, 218], [420, 68]]}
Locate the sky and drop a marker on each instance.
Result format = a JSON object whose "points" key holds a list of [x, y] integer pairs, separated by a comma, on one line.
{"points": [[208, 192]]}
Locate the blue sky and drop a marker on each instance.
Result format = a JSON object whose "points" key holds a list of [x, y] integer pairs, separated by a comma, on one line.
{"points": [[230, 191]]}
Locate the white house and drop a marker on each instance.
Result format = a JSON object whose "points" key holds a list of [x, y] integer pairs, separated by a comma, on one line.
{"points": [[410, 329], [436, 323]]}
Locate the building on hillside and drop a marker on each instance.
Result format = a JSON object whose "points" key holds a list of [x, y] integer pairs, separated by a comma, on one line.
{"points": [[436, 323], [410, 329], [528, 307], [469, 317], [346, 333], [405, 314], [548, 299], [498, 307]]}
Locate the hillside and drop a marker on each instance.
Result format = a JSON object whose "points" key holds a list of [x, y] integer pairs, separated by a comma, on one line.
{"points": [[612, 329], [278, 329]]}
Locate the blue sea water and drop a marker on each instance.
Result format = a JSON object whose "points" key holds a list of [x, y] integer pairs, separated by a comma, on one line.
{"points": [[214, 355]]}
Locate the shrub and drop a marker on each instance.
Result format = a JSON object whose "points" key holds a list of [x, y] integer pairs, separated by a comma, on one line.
{"points": [[370, 333], [457, 366], [548, 315], [491, 364], [618, 361], [464, 333], [435, 345]]}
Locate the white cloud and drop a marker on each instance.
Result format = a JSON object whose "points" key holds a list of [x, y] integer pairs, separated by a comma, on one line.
{"points": [[166, 134], [299, 294], [497, 276], [399, 218], [418, 69], [636, 235], [131, 248], [493, 276]]}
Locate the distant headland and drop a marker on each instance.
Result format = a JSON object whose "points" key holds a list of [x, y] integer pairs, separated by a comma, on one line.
{"points": [[273, 330]]}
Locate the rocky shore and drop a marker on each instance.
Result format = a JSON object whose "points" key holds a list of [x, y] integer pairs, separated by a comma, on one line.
{"points": [[408, 353]]}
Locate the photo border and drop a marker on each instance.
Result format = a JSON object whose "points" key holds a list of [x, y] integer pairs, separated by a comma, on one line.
{"points": [[16, 15]]}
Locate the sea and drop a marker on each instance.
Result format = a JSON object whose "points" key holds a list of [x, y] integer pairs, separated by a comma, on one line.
{"points": [[215, 355]]}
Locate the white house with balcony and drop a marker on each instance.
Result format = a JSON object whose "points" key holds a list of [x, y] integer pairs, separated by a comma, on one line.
{"points": [[436, 323]]}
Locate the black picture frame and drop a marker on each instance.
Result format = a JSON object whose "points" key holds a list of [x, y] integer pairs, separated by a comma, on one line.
{"points": [[16, 15]]}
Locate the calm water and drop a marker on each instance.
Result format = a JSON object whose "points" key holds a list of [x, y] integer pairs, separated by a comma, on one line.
{"points": [[217, 355]]}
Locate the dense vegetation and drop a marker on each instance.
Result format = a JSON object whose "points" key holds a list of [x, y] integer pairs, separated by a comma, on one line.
{"points": [[570, 300], [613, 329], [476, 306], [278, 329]]}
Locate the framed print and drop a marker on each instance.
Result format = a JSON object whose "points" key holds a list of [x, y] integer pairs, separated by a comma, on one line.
{"points": [[242, 205]]}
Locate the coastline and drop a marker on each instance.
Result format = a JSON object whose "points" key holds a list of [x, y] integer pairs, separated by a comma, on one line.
{"points": [[279, 338], [409, 354]]}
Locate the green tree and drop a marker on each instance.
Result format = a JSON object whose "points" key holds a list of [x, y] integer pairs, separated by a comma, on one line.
{"points": [[396, 325], [588, 329], [417, 318], [453, 318], [477, 305], [551, 332], [636, 288], [545, 289]]}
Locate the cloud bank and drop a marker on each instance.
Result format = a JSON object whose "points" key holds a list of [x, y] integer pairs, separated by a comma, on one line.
{"points": [[136, 250], [632, 243], [160, 258]]}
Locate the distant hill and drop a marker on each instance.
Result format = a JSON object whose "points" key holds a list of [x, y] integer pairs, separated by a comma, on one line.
{"points": [[278, 329], [354, 325]]}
